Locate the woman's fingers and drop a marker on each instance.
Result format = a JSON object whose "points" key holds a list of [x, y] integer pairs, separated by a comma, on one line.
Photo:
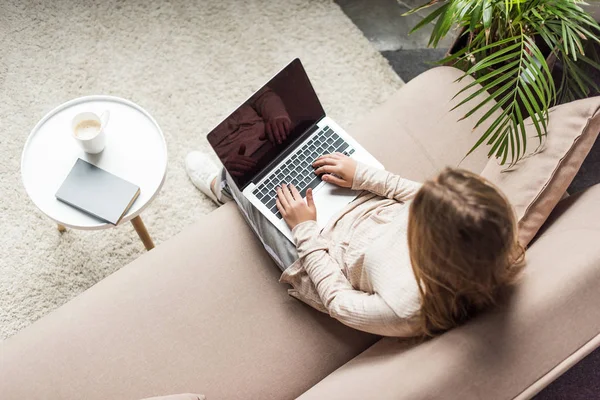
{"points": [[327, 169], [333, 156], [286, 192], [295, 193], [280, 207], [282, 199], [335, 180], [319, 162], [310, 201], [324, 156]]}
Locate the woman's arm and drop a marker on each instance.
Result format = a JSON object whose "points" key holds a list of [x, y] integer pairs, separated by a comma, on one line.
{"points": [[363, 311], [343, 171], [383, 183], [357, 309]]}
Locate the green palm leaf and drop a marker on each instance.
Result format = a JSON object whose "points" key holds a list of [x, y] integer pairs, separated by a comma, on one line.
{"points": [[525, 75], [512, 78]]}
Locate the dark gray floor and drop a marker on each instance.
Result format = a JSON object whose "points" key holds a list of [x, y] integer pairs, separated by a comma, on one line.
{"points": [[589, 173], [410, 63], [581, 382], [382, 23]]}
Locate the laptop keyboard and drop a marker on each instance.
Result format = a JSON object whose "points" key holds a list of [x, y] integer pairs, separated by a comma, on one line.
{"points": [[298, 169]]}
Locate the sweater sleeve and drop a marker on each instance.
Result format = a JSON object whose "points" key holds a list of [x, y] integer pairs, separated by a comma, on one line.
{"points": [[357, 309], [384, 183]]}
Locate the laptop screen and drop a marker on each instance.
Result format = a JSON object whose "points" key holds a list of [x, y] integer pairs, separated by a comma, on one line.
{"points": [[266, 124]]}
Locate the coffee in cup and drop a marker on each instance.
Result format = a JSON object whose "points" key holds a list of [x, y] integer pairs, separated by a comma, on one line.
{"points": [[88, 131]]}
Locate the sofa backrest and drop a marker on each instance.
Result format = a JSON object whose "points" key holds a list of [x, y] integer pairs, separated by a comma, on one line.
{"points": [[415, 134]]}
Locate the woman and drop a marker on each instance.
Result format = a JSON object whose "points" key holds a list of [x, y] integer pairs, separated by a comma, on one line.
{"points": [[402, 259]]}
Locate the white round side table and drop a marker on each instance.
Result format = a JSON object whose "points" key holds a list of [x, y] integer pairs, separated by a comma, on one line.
{"points": [[135, 151]]}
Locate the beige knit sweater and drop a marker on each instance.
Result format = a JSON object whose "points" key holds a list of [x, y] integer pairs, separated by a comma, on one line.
{"points": [[357, 269]]}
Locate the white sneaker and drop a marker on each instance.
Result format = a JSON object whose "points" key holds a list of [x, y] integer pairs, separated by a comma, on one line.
{"points": [[202, 171]]}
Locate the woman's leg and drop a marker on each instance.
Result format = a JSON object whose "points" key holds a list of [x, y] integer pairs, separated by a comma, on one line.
{"points": [[281, 250]]}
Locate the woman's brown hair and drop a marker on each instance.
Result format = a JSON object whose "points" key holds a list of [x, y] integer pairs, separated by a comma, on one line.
{"points": [[462, 237]]}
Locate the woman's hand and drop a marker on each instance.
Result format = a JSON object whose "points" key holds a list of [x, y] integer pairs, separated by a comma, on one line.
{"points": [[342, 166], [292, 207]]}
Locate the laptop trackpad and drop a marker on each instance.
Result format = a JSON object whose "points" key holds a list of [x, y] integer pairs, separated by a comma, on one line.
{"points": [[331, 199]]}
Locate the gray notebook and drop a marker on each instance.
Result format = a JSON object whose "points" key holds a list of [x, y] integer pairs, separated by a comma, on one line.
{"points": [[97, 192]]}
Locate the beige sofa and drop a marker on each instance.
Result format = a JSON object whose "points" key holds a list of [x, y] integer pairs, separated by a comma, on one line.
{"points": [[204, 312]]}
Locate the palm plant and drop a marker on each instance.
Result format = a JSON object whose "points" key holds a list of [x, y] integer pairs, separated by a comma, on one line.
{"points": [[510, 47]]}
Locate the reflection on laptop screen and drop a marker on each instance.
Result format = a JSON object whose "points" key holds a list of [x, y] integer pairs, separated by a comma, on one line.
{"points": [[266, 124]]}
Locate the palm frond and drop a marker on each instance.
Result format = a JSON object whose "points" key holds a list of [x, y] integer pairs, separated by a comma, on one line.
{"points": [[513, 86]]}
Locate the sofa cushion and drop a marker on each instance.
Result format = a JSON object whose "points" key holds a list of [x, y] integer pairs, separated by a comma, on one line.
{"points": [[551, 314], [537, 183], [201, 313]]}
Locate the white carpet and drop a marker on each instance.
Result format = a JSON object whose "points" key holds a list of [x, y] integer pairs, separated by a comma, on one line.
{"points": [[188, 63]]}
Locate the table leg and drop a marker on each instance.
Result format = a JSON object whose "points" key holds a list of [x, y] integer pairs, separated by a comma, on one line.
{"points": [[142, 232], [62, 228]]}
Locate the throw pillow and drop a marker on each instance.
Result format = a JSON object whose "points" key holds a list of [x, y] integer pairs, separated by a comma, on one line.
{"points": [[537, 183]]}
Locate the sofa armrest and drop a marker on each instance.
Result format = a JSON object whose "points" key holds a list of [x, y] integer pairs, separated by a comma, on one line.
{"points": [[551, 314]]}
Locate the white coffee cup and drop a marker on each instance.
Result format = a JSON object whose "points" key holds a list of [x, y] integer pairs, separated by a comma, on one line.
{"points": [[88, 131]]}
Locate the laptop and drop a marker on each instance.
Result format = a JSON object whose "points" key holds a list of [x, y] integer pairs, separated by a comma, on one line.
{"points": [[274, 137]]}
